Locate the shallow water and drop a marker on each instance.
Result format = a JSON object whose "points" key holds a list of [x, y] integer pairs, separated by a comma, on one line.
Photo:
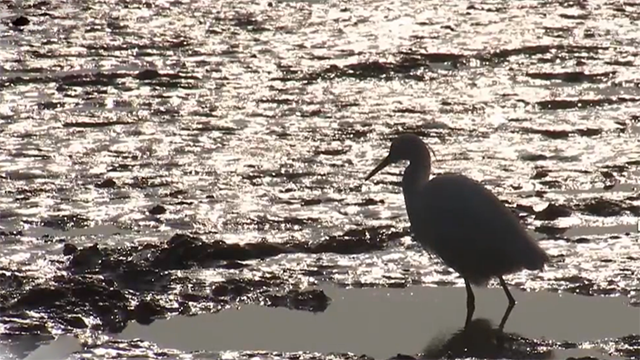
{"points": [[251, 121], [384, 322]]}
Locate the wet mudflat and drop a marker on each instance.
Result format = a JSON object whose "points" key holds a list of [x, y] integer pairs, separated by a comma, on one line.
{"points": [[174, 159]]}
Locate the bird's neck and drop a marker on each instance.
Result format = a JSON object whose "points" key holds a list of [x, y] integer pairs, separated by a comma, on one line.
{"points": [[416, 175], [413, 181]]}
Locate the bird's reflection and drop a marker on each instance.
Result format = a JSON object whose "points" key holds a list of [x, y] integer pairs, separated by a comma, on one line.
{"points": [[480, 339], [471, 309]]}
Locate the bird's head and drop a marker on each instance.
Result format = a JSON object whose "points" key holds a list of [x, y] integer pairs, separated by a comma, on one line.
{"points": [[408, 147]]}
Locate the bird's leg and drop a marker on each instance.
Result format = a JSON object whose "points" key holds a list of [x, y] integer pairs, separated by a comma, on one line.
{"points": [[505, 317], [471, 303], [512, 303]]}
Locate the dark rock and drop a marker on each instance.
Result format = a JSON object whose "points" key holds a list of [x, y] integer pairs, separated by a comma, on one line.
{"points": [[550, 230], [69, 249], [311, 202], [553, 212], [86, 258], [41, 5], [235, 288], [186, 251], [193, 297], [27, 329], [111, 286], [74, 321], [106, 184], [332, 151], [66, 222], [157, 210], [11, 233], [20, 21], [533, 157], [177, 193], [527, 209], [358, 241], [145, 311], [41, 297], [184, 240], [604, 207], [137, 276], [309, 300], [92, 297], [11, 281], [540, 174], [232, 265], [403, 356], [565, 104], [148, 74], [369, 202]]}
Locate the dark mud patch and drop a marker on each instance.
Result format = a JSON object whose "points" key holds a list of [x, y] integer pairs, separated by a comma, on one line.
{"points": [[413, 64], [332, 151], [95, 124], [558, 51], [66, 222], [606, 207], [580, 285], [157, 210], [573, 76], [561, 134], [68, 303], [568, 104], [185, 251], [100, 79], [600, 207], [553, 212], [406, 64], [363, 70], [359, 241], [106, 184], [317, 201], [20, 21], [104, 288], [550, 230]]}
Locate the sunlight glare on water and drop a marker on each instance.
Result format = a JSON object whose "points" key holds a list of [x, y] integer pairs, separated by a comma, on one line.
{"points": [[124, 123]]}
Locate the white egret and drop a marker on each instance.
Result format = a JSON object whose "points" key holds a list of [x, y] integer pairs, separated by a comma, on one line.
{"points": [[463, 223]]}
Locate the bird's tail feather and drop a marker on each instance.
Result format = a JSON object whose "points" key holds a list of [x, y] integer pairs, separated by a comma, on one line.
{"points": [[537, 258]]}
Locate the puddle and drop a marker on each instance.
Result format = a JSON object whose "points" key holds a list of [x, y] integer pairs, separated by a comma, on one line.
{"points": [[385, 322], [601, 230], [38, 347]]}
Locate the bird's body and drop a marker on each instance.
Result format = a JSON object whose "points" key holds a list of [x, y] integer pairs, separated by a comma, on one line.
{"points": [[470, 229], [460, 221]]}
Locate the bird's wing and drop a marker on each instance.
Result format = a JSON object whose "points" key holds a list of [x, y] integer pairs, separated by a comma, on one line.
{"points": [[458, 218]]}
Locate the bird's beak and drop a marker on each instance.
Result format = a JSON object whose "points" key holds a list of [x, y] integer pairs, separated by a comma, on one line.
{"points": [[383, 164]]}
